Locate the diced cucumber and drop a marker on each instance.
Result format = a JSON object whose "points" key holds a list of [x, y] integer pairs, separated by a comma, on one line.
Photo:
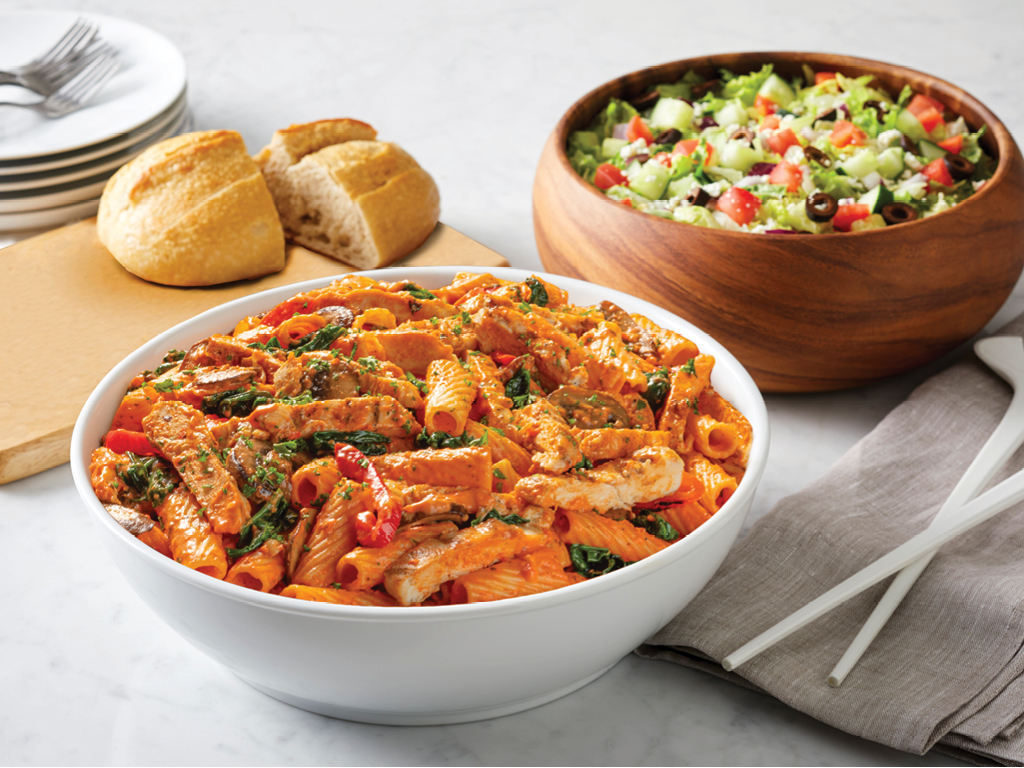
{"points": [[682, 165], [776, 89], [876, 198], [729, 174], [797, 218], [890, 163], [739, 156], [651, 181], [732, 112], [874, 221], [695, 214], [681, 187], [930, 151], [907, 122], [861, 164], [671, 113], [799, 123], [585, 140], [610, 147], [633, 169]]}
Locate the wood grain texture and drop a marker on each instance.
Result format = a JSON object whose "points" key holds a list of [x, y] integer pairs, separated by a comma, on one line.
{"points": [[802, 313], [72, 313]]}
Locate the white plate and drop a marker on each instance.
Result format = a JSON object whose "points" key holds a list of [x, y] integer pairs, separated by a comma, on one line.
{"points": [[61, 160], [52, 217], [151, 78], [109, 163]]}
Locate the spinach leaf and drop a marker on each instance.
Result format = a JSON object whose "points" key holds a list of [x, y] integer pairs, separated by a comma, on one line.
{"points": [[657, 526], [657, 388], [148, 476], [518, 389], [273, 518], [234, 402], [594, 561], [370, 443], [420, 293], [510, 519], [446, 440], [270, 346], [538, 293], [318, 340]]}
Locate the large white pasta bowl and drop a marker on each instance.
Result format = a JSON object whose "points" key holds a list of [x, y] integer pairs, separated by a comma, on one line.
{"points": [[409, 666]]}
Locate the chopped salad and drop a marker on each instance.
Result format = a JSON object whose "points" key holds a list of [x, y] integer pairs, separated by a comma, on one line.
{"points": [[757, 153]]}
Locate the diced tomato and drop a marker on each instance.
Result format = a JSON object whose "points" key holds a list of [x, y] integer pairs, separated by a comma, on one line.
{"points": [[636, 128], [765, 105], [626, 202], [846, 134], [608, 176], [787, 175], [847, 214], [782, 140], [665, 158], [502, 358], [954, 144], [821, 77], [925, 110], [770, 123], [739, 205], [937, 171], [686, 147]]}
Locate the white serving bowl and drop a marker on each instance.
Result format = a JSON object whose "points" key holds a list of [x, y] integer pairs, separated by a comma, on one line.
{"points": [[406, 666]]}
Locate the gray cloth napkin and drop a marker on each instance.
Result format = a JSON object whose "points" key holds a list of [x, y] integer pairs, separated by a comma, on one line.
{"points": [[947, 671]]}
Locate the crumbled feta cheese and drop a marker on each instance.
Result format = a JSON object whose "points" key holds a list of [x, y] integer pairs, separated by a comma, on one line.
{"points": [[731, 128], [806, 182], [910, 160], [794, 155], [872, 180], [750, 181], [978, 184], [698, 109], [672, 203], [716, 188], [957, 127], [888, 138], [637, 147], [810, 134], [906, 174]]}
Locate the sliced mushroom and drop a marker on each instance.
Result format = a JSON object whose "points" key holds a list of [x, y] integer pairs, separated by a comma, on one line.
{"points": [[255, 465], [337, 316], [641, 339], [132, 521], [588, 408]]}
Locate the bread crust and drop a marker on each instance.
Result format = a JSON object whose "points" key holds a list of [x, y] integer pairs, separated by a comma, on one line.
{"points": [[364, 202], [192, 210]]}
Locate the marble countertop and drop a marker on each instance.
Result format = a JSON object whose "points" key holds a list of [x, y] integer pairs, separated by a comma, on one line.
{"points": [[472, 91]]}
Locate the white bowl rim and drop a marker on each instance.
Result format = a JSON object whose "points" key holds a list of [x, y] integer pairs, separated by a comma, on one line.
{"points": [[134, 362]]}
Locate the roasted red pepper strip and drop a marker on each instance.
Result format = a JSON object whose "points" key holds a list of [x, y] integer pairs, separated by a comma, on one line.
{"points": [[501, 358], [124, 440], [690, 489], [373, 528]]}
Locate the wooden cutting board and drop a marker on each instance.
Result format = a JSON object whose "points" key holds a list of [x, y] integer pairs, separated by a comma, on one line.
{"points": [[71, 313]]}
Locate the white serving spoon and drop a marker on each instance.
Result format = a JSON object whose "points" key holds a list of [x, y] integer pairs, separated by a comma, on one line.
{"points": [[1005, 356], [941, 531]]}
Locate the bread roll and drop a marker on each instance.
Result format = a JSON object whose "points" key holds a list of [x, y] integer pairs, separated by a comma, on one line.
{"points": [[364, 202], [192, 210]]}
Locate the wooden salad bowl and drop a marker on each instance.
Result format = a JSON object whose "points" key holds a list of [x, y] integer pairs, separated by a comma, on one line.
{"points": [[803, 313]]}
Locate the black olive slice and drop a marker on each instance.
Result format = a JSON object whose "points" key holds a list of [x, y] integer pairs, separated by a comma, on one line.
{"points": [[671, 136], [821, 207], [907, 144], [959, 167], [646, 101], [743, 134], [697, 196], [816, 155], [828, 117], [877, 106], [898, 213], [641, 158]]}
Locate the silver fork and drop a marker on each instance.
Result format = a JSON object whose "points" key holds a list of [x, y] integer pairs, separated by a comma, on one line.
{"points": [[48, 71], [77, 92]]}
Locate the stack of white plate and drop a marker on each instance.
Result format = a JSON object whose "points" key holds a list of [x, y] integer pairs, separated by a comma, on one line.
{"points": [[53, 171]]}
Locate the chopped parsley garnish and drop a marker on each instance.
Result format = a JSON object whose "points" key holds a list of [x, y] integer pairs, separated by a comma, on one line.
{"points": [[690, 368], [268, 346], [538, 293], [584, 463], [509, 519], [498, 474], [657, 526], [594, 561], [167, 385], [445, 440], [657, 388]]}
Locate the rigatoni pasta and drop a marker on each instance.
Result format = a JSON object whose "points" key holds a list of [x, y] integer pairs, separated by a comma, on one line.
{"points": [[380, 444]]}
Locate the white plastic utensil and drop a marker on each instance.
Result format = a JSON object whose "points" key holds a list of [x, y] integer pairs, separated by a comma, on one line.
{"points": [[989, 504], [1005, 356]]}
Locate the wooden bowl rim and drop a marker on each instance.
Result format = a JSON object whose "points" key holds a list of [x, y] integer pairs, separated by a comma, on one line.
{"points": [[1004, 141]]}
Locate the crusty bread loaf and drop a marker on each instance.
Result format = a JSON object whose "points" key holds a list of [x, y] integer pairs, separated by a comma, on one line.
{"points": [[192, 210], [364, 202]]}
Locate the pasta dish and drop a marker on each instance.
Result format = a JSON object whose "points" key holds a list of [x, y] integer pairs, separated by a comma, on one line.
{"points": [[381, 444]]}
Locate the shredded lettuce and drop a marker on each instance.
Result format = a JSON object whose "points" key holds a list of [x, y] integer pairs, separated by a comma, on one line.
{"points": [[744, 87], [616, 112]]}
